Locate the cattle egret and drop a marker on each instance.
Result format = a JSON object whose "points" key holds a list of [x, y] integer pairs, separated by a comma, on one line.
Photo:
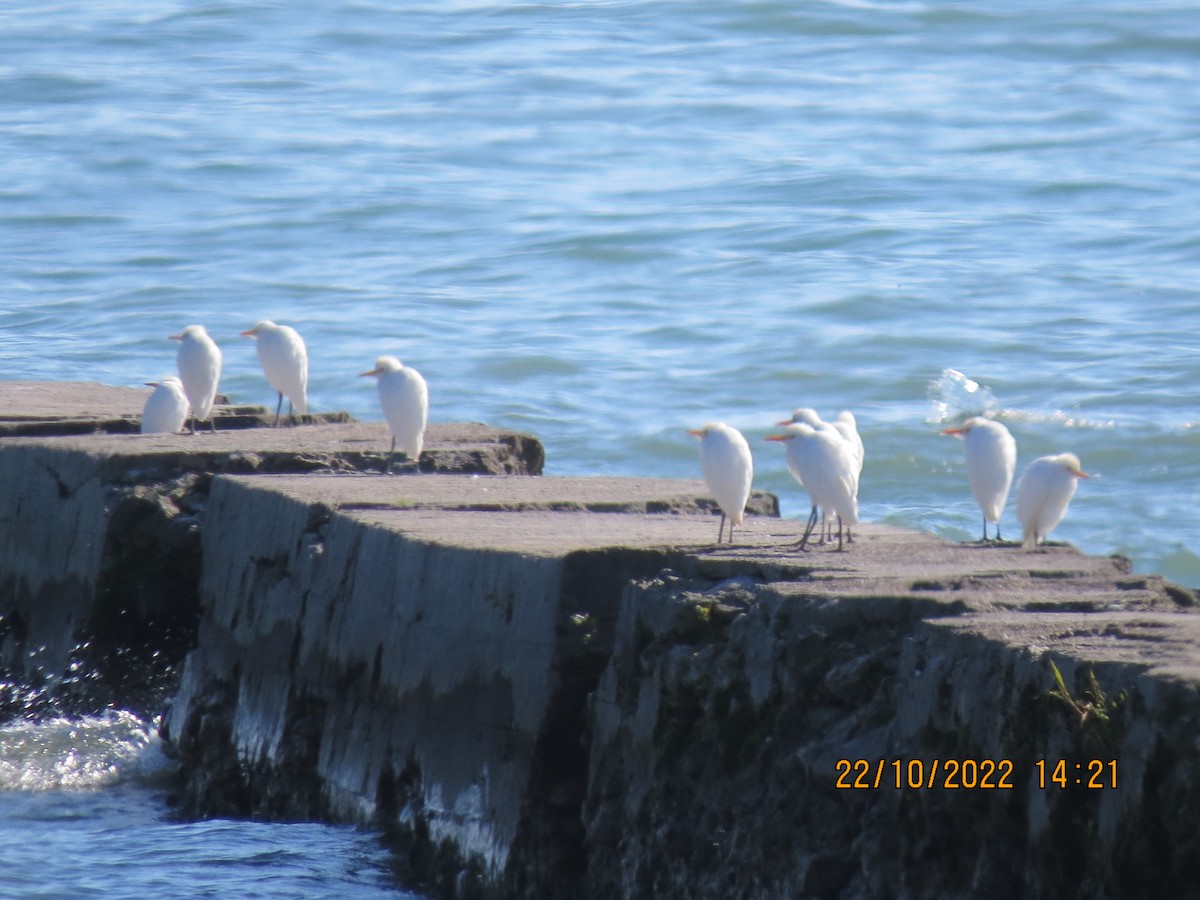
{"points": [[166, 408], [846, 427], [1043, 493], [728, 471], [404, 397], [285, 363], [821, 460], [199, 364], [991, 457], [803, 414]]}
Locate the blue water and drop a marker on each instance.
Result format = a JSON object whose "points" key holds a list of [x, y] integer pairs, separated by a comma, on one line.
{"points": [[604, 222], [83, 814]]}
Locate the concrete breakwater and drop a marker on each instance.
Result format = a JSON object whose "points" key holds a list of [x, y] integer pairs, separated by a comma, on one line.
{"points": [[546, 686], [100, 529]]}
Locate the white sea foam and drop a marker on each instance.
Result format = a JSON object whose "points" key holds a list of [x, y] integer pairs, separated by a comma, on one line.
{"points": [[953, 397], [85, 753]]}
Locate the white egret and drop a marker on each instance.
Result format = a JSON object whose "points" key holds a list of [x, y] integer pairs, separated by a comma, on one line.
{"points": [[284, 361], [166, 408], [804, 414], [728, 471], [991, 457], [820, 459], [846, 427], [1043, 494], [404, 397], [199, 364]]}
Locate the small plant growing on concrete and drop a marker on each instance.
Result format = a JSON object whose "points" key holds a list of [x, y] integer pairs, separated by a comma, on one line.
{"points": [[1094, 710]]}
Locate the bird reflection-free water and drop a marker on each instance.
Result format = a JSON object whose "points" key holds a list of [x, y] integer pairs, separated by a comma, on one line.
{"points": [[82, 814], [607, 223]]}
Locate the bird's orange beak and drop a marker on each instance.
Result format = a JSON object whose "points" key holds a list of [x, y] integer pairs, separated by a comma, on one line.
{"points": [[175, 337], [150, 383], [1079, 473], [776, 437], [374, 371], [953, 431], [785, 422], [696, 432], [249, 332]]}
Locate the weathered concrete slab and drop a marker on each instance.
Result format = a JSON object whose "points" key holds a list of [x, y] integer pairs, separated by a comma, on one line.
{"points": [[424, 651], [48, 408], [45, 401], [100, 533], [509, 494], [751, 741], [353, 446], [1158, 641], [556, 687]]}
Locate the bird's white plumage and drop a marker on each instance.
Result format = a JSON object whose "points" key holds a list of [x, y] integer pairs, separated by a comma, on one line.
{"points": [[199, 364], [804, 414], [728, 469], [404, 399], [166, 408], [822, 460], [845, 426], [990, 453], [284, 360], [1043, 494]]}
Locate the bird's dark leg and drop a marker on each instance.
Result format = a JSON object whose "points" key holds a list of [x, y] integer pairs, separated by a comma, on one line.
{"points": [[839, 534], [999, 539], [808, 530], [983, 540], [192, 424], [387, 468], [278, 409], [212, 422], [721, 527]]}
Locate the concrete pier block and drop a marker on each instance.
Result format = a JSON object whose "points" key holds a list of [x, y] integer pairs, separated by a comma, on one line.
{"points": [[100, 529]]}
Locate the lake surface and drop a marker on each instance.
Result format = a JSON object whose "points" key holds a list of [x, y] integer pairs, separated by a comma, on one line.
{"points": [[606, 222]]}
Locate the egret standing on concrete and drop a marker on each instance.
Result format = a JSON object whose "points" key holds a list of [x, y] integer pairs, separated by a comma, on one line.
{"points": [[822, 460], [166, 408], [404, 397], [1043, 494], [991, 455], [199, 364], [285, 363], [728, 471], [846, 427]]}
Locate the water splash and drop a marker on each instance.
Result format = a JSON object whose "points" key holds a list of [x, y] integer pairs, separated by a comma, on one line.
{"points": [[955, 397], [80, 754]]}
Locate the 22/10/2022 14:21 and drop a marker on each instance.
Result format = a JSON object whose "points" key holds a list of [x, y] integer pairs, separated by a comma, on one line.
{"points": [[972, 774]]}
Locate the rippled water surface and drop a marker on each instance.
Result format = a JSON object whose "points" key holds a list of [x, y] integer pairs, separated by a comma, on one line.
{"points": [[82, 814], [604, 222]]}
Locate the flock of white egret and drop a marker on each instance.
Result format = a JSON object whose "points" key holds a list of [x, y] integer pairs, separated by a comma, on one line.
{"points": [[403, 394], [826, 458]]}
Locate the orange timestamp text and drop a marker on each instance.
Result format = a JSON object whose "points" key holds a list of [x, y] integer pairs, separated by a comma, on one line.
{"points": [[970, 774]]}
